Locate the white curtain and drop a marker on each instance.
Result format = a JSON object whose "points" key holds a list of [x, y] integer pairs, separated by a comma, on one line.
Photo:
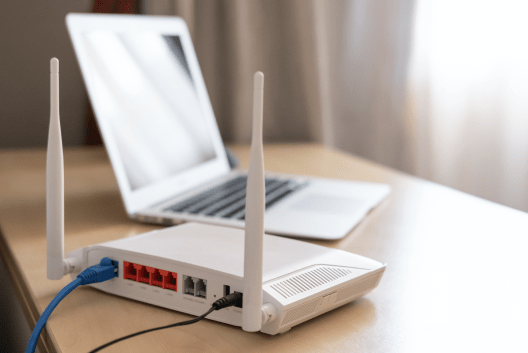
{"points": [[284, 39], [438, 89], [369, 46], [335, 70], [468, 97]]}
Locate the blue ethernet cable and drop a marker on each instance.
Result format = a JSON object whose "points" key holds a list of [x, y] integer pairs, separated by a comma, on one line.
{"points": [[105, 270]]}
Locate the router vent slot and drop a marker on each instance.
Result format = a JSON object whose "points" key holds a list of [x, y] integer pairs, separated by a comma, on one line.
{"points": [[300, 311], [355, 289], [309, 280]]}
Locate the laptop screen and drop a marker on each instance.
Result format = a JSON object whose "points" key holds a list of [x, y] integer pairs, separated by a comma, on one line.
{"points": [[143, 86]]}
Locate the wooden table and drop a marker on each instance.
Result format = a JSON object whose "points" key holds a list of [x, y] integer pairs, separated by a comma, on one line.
{"points": [[456, 279]]}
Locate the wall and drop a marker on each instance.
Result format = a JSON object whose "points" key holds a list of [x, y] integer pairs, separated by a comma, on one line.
{"points": [[31, 33]]}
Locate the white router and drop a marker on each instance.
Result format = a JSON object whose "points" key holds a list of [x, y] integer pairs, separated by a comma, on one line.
{"points": [[187, 267]]}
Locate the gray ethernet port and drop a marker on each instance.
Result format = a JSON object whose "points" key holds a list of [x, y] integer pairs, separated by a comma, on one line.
{"points": [[188, 285], [201, 288]]}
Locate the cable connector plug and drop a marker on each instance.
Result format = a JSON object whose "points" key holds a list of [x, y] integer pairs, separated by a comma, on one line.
{"points": [[228, 300], [105, 270]]}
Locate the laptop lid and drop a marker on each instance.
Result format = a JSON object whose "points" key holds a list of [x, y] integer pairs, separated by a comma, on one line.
{"points": [[150, 103]]}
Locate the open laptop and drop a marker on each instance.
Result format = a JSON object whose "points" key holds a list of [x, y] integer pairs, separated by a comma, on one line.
{"points": [[159, 129]]}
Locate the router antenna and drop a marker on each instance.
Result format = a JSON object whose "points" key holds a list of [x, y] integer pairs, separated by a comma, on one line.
{"points": [[255, 204], [57, 267]]}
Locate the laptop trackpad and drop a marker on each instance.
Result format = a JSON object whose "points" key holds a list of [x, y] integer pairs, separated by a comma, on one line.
{"points": [[327, 204]]}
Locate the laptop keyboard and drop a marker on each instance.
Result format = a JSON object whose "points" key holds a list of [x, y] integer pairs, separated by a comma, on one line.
{"points": [[228, 200]]}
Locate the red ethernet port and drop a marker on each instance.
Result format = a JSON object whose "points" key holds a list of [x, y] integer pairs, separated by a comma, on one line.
{"points": [[156, 279], [143, 275], [170, 280], [129, 272]]}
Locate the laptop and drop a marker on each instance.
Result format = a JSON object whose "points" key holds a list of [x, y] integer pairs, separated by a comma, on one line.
{"points": [[160, 132]]}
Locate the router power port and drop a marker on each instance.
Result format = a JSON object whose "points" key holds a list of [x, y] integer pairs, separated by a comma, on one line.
{"points": [[201, 288], [239, 302], [188, 285]]}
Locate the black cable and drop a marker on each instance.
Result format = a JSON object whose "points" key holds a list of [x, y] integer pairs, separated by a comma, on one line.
{"points": [[188, 322], [228, 300]]}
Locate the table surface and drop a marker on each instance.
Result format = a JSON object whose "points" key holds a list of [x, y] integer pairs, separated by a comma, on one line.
{"points": [[455, 281]]}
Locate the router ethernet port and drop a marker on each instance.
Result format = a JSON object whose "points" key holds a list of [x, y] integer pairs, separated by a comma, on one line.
{"points": [[188, 285], [201, 288], [129, 272], [143, 275], [156, 278], [170, 281]]}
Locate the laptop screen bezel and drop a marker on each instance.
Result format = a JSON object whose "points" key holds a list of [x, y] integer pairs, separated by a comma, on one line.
{"points": [[157, 192]]}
